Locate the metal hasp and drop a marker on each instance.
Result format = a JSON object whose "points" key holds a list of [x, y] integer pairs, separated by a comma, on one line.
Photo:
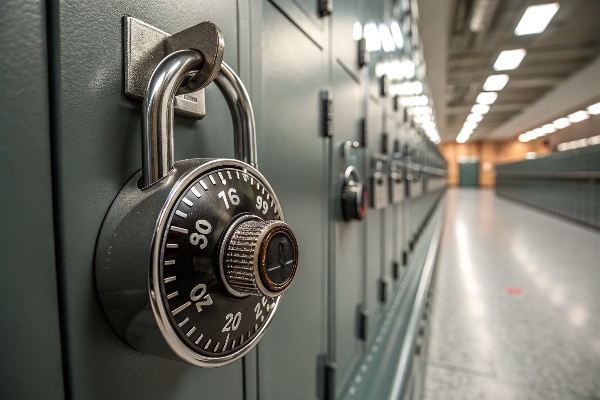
{"points": [[144, 48], [157, 113]]}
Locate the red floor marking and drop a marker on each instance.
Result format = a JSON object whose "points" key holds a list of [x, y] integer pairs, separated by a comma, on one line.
{"points": [[513, 291]]}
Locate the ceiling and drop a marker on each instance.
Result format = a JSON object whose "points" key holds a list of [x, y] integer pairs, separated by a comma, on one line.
{"points": [[569, 43]]}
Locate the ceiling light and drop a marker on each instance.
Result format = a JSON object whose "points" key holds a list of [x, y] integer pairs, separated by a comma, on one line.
{"points": [[407, 88], [421, 111], [562, 123], [594, 109], [387, 41], [397, 35], [357, 32], [524, 138], [408, 68], [509, 59], [421, 100], [487, 97], [536, 19], [470, 124], [495, 82], [578, 116], [372, 35], [537, 132], [548, 128], [475, 117], [480, 109], [594, 140]]}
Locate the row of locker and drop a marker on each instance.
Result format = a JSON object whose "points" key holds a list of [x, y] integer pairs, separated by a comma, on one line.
{"points": [[73, 140]]}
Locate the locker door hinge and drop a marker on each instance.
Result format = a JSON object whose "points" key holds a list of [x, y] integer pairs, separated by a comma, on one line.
{"points": [[364, 131], [325, 7], [330, 381], [363, 325], [383, 289], [396, 270], [327, 110]]}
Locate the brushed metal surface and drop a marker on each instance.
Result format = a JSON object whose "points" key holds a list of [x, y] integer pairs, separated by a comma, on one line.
{"points": [[143, 49]]}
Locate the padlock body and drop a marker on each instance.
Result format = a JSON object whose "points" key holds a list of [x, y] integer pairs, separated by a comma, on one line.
{"points": [[379, 190], [142, 244]]}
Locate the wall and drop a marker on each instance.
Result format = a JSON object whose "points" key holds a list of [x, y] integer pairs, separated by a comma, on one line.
{"points": [[492, 152]]}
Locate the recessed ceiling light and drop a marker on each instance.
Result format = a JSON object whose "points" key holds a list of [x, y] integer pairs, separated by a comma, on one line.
{"points": [[387, 41], [357, 32], [480, 109], [594, 109], [470, 124], [524, 137], [475, 117], [509, 59], [562, 123], [536, 19], [397, 34], [487, 97], [578, 116], [548, 128], [495, 82], [372, 35]]}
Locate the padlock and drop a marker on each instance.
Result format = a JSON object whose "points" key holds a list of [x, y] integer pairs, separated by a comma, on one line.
{"points": [[193, 255], [354, 197], [397, 181]]}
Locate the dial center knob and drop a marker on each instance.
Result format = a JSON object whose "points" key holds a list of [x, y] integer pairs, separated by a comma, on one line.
{"points": [[258, 257]]}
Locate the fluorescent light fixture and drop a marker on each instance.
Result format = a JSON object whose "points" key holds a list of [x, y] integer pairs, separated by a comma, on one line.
{"points": [[495, 82], [429, 125], [487, 97], [357, 32], [561, 123], [372, 35], [594, 140], [387, 41], [421, 111], [397, 35], [594, 109], [475, 117], [480, 109], [421, 100], [462, 138], [537, 132], [470, 124], [578, 116], [524, 138], [509, 59], [536, 19], [422, 119], [407, 88], [562, 147], [408, 69], [548, 128]]}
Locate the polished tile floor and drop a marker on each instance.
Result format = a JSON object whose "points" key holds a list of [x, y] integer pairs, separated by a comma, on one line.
{"points": [[516, 308]]}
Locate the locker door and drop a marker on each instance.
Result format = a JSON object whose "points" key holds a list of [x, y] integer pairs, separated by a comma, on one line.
{"points": [[98, 143], [30, 354], [292, 155]]}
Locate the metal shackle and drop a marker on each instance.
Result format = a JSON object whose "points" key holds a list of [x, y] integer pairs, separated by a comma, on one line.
{"points": [[157, 113]]}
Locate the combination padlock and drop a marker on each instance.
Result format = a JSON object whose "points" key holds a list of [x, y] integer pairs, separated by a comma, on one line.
{"points": [[194, 255], [354, 197]]}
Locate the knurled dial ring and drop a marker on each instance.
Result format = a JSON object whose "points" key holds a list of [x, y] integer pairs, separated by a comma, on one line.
{"points": [[260, 257]]}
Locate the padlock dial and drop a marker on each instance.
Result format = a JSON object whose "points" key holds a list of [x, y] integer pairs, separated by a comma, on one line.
{"points": [[204, 312]]}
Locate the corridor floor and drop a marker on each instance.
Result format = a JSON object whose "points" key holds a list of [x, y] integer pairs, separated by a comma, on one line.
{"points": [[516, 307]]}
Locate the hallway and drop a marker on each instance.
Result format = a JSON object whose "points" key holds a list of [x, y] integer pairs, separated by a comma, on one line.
{"points": [[516, 307]]}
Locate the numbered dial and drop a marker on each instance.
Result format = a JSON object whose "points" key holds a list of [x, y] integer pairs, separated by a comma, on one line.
{"points": [[213, 313]]}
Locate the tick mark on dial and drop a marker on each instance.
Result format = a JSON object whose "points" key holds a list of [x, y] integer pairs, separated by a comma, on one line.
{"points": [[216, 347], [223, 181], [191, 331], [186, 201], [182, 323], [207, 344], [178, 229], [203, 185], [229, 175], [232, 345], [237, 174], [181, 308], [170, 262], [196, 192], [199, 339], [170, 279], [172, 245], [169, 297], [225, 345], [213, 182]]}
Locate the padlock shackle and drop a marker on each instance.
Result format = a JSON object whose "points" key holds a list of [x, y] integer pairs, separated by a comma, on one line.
{"points": [[157, 114]]}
